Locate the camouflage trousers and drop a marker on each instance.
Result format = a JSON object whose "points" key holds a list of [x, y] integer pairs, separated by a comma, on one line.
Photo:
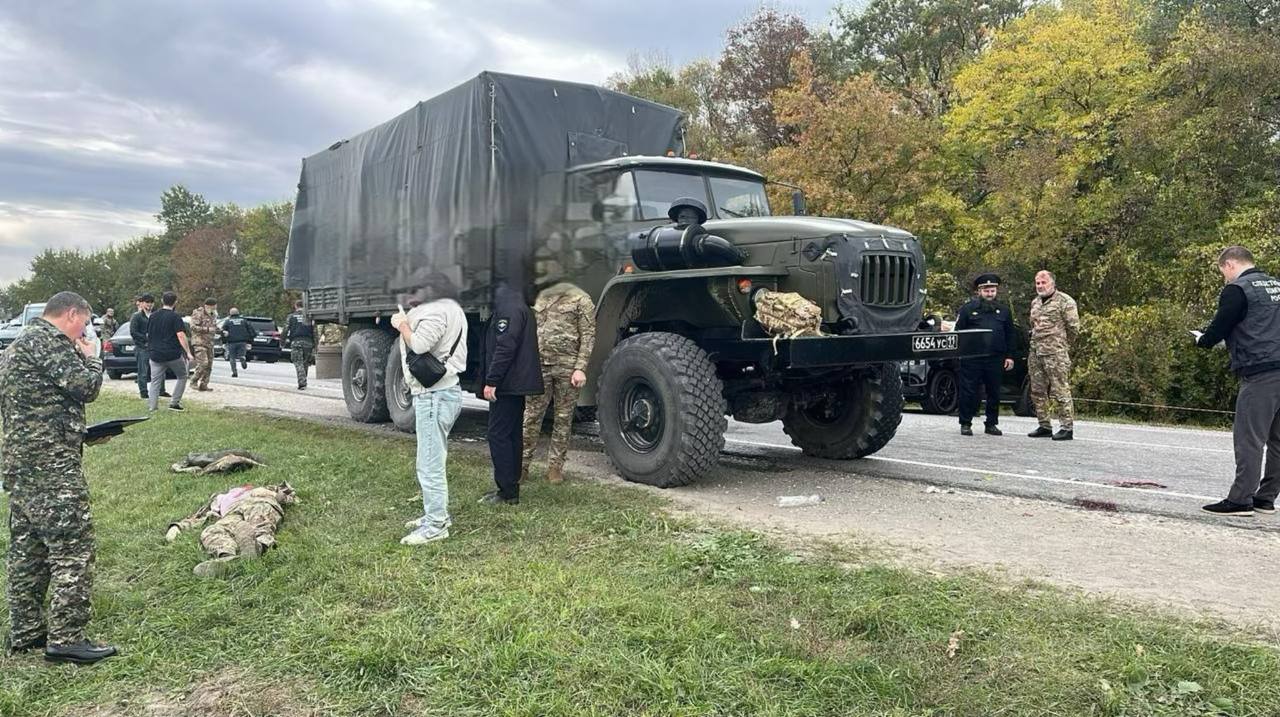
{"points": [[50, 545], [203, 366], [1051, 378], [300, 353], [246, 532], [564, 398]]}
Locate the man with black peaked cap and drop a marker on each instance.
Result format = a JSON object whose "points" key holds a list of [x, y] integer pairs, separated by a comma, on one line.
{"points": [[984, 372]]}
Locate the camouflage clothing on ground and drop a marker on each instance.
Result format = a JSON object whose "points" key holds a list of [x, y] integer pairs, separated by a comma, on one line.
{"points": [[44, 385], [566, 319], [204, 326], [1055, 324]]}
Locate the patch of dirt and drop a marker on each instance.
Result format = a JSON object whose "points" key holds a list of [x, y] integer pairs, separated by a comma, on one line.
{"points": [[232, 692]]}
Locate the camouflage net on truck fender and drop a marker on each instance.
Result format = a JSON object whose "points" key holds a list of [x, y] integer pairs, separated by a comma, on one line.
{"points": [[786, 314]]}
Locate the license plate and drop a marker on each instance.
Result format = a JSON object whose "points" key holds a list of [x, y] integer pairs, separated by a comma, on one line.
{"points": [[128, 349], [923, 343], [261, 340]]}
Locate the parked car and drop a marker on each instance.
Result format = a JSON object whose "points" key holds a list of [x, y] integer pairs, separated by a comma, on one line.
{"points": [[11, 331], [935, 384], [268, 345]]}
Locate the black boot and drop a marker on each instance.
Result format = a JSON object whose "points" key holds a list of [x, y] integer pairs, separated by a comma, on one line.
{"points": [[12, 649], [82, 653], [1063, 434], [1040, 432], [966, 429], [992, 430]]}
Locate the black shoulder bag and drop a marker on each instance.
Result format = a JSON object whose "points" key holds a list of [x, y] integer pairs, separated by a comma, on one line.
{"points": [[428, 369]]}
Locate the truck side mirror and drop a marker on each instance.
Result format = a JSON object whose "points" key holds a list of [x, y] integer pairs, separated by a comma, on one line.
{"points": [[797, 203]]}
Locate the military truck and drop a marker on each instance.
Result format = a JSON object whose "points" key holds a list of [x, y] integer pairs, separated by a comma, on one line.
{"points": [[530, 181]]}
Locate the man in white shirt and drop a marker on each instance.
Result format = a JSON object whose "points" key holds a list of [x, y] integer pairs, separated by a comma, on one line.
{"points": [[437, 326]]}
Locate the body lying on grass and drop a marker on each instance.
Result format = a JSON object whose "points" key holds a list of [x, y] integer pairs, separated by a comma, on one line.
{"points": [[247, 519]]}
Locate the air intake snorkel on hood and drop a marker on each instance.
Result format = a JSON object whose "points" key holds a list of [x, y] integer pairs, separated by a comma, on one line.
{"points": [[669, 248]]}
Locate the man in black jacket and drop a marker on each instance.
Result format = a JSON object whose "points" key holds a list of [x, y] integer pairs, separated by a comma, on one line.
{"points": [[146, 303], [985, 372], [237, 332], [512, 371], [1248, 320]]}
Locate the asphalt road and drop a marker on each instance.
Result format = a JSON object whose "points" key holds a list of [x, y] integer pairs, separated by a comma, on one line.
{"points": [[1150, 469]]}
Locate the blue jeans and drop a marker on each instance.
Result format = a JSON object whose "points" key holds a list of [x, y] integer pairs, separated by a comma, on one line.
{"points": [[236, 352], [436, 413], [143, 358]]}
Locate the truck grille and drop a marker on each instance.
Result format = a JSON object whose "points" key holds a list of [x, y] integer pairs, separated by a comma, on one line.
{"points": [[887, 280]]}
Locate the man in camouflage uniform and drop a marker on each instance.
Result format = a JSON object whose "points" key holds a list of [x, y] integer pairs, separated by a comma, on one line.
{"points": [[109, 325], [204, 326], [247, 520], [1055, 324], [566, 319], [300, 332], [46, 377]]}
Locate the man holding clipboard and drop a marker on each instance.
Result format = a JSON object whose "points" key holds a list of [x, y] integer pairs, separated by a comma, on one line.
{"points": [[47, 376]]}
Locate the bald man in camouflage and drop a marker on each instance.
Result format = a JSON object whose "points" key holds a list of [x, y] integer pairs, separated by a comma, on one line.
{"points": [[566, 335]]}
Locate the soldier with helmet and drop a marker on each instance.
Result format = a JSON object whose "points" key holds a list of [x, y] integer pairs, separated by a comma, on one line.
{"points": [[980, 377]]}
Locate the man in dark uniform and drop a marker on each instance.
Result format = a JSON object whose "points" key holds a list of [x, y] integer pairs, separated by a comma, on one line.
{"points": [[512, 371], [1248, 319], [138, 325], [237, 333], [47, 375], [984, 372], [301, 335]]}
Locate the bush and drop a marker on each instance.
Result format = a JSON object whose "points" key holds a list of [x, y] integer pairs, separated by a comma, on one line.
{"points": [[1143, 354]]}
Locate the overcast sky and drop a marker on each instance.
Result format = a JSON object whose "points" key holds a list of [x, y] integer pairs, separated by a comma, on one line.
{"points": [[106, 103]]}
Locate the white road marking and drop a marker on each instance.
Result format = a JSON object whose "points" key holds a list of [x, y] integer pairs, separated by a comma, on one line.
{"points": [[980, 471]]}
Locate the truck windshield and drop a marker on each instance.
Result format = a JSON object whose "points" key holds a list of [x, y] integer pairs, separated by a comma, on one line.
{"points": [[658, 190], [736, 197]]}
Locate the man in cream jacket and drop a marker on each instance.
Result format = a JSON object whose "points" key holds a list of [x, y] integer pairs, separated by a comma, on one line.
{"points": [[437, 326]]}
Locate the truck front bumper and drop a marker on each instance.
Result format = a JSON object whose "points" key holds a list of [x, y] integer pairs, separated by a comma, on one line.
{"points": [[835, 351]]}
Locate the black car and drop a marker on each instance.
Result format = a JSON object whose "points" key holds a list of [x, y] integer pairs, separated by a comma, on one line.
{"points": [[268, 345], [936, 384], [118, 359]]}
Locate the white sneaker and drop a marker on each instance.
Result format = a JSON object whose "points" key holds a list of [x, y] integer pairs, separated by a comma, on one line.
{"points": [[422, 536], [422, 520]]}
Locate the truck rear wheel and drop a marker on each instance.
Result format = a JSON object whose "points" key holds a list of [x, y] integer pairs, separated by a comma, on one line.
{"points": [[399, 400], [661, 409], [364, 361], [851, 419]]}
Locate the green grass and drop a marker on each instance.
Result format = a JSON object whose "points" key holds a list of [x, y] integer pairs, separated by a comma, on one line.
{"points": [[584, 600]]}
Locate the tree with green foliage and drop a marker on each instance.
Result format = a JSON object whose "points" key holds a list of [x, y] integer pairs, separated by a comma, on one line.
{"points": [[916, 46]]}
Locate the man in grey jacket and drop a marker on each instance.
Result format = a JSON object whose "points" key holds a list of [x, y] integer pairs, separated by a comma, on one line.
{"points": [[437, 326]]}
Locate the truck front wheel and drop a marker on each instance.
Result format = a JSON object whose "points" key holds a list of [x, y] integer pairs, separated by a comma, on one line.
{"points": [[364, 361], [848, 420], [661, 410]]}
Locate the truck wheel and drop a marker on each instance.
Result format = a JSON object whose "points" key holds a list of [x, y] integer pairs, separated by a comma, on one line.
{"points": [[942, 392], [852, 420], [115, 375], [399, 400], [364, 362], [1023, 406], [662, 410]]}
